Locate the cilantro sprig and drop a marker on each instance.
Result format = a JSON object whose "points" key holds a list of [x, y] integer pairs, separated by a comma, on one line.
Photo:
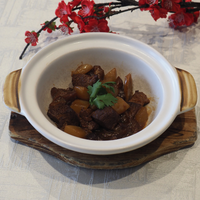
{"points": [[99, 96]]}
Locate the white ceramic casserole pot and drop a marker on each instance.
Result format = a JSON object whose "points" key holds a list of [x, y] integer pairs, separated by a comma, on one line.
{"points": [[171, 91]]}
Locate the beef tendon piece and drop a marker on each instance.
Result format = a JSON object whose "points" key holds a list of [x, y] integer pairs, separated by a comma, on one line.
{"points": [[68, 94], [84, 80], [129, 114], [86, 120], [61, 113], [97, 70], [140, 98], [107, 117]]}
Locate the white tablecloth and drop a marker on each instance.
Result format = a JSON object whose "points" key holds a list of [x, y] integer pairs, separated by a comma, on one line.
{"points": [[26, 173]]}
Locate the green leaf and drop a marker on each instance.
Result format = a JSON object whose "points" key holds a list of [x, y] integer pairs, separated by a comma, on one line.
{"points": [[99, 95], [90, 89], [98, 104], [109, 82], [108, 99], [109, 86], [93, 90]]}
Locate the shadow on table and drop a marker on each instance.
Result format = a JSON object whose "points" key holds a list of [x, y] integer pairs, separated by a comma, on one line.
{"points": [[131, 177]]}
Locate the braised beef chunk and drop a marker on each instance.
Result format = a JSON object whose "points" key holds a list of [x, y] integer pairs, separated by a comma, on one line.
{"points": [[107, 135], [86, 120], [121, 130], [106, 117], [68, 94], [102, 134], [97, 70], [84, 79], [126, 125], [61, 113], [140, 98], [127, 129], [129, 114], [94, 135]]}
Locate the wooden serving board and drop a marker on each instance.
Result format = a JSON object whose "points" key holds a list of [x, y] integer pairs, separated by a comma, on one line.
{"points": [[182, 133]]}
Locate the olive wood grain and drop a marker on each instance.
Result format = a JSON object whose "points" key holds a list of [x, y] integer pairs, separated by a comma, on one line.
{"points": [[182, 133]]}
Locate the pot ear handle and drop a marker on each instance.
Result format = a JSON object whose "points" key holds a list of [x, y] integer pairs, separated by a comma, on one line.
{"points": [[11, 90], [188, 90]]}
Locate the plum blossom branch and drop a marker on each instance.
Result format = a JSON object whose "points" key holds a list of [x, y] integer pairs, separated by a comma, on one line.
{"points": [[45, 26], [91, 17]]}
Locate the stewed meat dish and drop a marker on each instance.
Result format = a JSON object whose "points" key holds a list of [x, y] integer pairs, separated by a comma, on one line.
{"points": [[98, 106]]}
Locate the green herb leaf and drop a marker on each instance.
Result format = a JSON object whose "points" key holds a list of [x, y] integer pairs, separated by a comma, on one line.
{"points": [[109, 86], [99, 95], [104, 100], [93, 90], [98, 104]]}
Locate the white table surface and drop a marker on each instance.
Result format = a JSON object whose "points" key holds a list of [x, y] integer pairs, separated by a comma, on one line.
{"points": [[26, 173]]}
